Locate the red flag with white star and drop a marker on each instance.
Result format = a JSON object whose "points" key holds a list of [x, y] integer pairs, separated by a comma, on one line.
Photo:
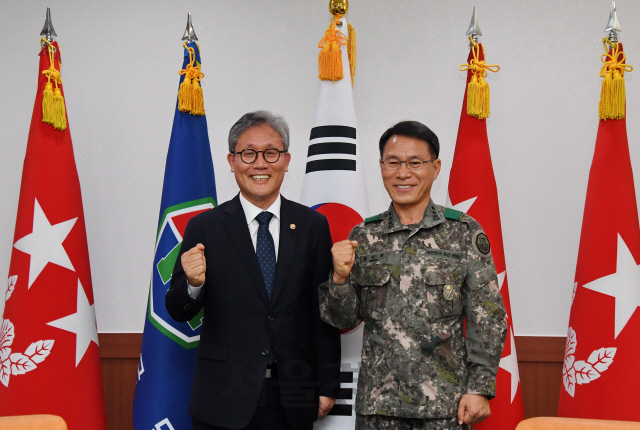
{"points": [[472, 189], [50, 362], [600, 374]]}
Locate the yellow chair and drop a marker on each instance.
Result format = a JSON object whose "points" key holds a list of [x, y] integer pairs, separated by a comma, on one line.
{"points": [[552, 423], [33, 422]]}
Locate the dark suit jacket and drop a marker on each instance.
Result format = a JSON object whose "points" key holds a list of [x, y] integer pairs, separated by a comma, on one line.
{"points": [[240, 324]]}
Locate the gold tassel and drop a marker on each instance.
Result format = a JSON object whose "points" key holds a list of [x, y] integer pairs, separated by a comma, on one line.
{"points": [[352, 51], [197, 101], [605, 105], [471, 96], [478, 94], [619, 95], [59, 111], [483, 98], [47, 104], [330, 57], [190, 98], [53, 108], [330, 63], [184, 95], [613, 94]]}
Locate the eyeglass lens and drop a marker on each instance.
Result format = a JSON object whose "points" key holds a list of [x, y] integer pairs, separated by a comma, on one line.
{"points": [[270, 155]]}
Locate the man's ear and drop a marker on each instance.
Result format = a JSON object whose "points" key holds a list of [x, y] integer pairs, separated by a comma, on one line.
{"points": [[287, 160], [437, 165], [230, 160]]}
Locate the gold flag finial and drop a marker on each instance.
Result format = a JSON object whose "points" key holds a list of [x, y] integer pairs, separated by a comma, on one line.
{"points": [[338, 7]]}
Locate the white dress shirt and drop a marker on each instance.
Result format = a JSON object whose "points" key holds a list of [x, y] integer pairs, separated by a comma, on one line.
{"points": [[251, 211]]}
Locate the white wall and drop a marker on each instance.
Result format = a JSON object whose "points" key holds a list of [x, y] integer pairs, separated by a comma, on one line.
{"points": [[120, 64]]}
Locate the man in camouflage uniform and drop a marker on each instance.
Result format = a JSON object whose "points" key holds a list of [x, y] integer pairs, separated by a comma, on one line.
{"points": [[413, 274]]}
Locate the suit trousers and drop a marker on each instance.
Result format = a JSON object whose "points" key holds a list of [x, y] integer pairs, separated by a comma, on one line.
{"points": [[269, 414]]}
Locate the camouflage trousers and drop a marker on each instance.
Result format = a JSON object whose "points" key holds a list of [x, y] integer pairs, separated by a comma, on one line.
{"points": [[382, 422]]}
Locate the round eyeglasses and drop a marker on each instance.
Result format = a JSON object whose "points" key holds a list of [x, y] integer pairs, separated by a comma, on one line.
{"points": [[249, 156], [411, 164]]}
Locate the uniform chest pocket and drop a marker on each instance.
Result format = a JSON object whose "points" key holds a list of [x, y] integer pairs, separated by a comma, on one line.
{"points": [[374, 284], [443, 291]]}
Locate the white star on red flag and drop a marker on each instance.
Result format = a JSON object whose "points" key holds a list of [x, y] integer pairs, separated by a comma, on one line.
{"points": [[501, 277], [462, 206], [510, 364], [44, 243], [82, 323], [623, 286]]}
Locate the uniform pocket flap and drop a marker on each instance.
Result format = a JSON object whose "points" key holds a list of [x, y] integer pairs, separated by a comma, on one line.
{"points": [[442, 276], [212, 350], [372, 275]]}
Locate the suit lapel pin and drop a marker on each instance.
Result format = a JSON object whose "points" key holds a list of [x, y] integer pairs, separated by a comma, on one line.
{"points": [[292, 226]]}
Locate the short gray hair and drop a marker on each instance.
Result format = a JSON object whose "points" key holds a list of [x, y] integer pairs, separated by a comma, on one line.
{"points": [[252, 119]]}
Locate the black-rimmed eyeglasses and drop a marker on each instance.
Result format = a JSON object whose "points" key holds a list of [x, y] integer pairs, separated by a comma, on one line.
{"points": [[249, 156], [411, 164]]}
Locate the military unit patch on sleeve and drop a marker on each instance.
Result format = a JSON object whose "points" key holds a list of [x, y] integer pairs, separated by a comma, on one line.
{"points": [[481, 243]]}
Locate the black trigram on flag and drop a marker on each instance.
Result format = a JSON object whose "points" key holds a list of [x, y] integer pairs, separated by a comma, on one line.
{"points": [[331, 146]]}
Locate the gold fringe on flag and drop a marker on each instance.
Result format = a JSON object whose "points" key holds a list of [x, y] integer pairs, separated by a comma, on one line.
{"points": [[190, 97], [352, 51], [478, 95], [330, 58], [53, 108], [613, 94]]}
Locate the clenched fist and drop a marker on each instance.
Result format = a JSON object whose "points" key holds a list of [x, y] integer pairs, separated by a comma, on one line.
{"points": [[194, 265], [473, 408], [344, 255]]}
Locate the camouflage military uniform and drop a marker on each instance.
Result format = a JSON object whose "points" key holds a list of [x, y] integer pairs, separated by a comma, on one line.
{"points": [[412, 286], [381, 422]]}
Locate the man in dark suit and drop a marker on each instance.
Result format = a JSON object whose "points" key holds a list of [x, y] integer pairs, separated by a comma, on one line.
{"points": [[265, 359]]}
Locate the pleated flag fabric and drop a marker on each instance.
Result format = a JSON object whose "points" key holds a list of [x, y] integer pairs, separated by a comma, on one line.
{"points": [[50, 361], [600, 375]]}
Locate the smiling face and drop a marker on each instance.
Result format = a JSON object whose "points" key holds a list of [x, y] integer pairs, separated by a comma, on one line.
{"points": [[260, 181], [409, 189]]}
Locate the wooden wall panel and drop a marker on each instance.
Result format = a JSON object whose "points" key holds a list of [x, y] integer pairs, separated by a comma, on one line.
{"points": [[539, 359], [540, 349], [119, 354], [120, 345], [540, 384], [119, 382]]}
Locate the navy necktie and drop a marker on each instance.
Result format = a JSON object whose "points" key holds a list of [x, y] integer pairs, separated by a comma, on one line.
{"points": [[266, 252]]}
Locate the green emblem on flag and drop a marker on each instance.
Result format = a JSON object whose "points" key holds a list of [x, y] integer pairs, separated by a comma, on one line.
{"points": [[169, 239]]}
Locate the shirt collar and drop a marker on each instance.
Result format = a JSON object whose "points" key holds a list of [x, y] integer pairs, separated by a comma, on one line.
{"points": [[251, 211], [433, 215]]}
